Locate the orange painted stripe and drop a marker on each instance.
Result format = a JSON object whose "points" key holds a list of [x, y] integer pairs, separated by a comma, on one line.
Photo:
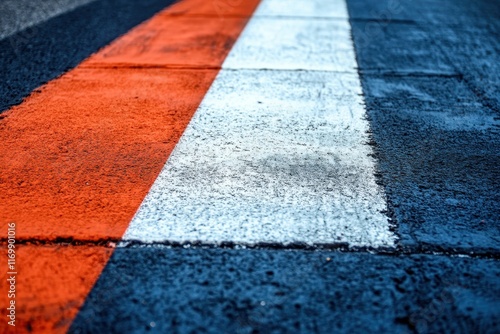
{"points": [[83, 152], [80, 154], [52, 283]]}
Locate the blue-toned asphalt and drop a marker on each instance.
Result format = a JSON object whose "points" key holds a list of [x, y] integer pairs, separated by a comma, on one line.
{"points": [[275, 291], [431, 75], [430, 72]]}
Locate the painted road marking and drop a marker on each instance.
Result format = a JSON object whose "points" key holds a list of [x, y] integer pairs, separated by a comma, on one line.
{"points": [[81, 153], [300, 8], [86, 148], [181, 41], [276, 155], [294, 43]]}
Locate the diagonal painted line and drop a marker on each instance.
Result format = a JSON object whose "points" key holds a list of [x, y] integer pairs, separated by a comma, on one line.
{"points": [[82, 151], [275, 156]]}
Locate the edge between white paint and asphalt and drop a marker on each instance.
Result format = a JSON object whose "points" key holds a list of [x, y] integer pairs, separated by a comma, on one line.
{"points": [[276, 152]]}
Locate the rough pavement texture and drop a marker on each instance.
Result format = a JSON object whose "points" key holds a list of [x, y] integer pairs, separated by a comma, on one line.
{"points": [[17, 15], [295, 43], [431, 75], [161, 290], [85, 149], [81, 152], [437, 146], [260, 165], [290, 291], [277, 152], [93, 153], [33, 56], [51, 285]]}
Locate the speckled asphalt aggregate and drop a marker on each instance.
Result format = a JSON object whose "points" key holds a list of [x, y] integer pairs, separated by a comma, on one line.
{"points": [[276, 153], [20, 15], [430, 78]]}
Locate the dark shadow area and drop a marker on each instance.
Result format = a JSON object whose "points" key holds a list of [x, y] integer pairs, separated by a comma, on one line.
{"points": [[40, 53], [430, 72]]}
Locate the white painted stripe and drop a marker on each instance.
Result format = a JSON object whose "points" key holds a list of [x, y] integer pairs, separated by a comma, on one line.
{"points": [[288, 35], [294, 43], [277, 155], [301, 8]]}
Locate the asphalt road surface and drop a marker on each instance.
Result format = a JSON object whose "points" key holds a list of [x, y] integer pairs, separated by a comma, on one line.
{"points": [[274, 166]]}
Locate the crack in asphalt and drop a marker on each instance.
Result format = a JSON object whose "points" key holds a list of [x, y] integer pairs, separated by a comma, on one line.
{"points": [[410, 74], [399, 250]]}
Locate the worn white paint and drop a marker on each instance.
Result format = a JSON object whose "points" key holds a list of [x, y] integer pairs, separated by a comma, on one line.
{"points": [[303, 8], [276, 153], [294, 43]]}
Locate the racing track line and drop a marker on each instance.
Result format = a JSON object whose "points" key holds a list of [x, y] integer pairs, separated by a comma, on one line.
{"points": [[84, 149], [278, 150]]}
